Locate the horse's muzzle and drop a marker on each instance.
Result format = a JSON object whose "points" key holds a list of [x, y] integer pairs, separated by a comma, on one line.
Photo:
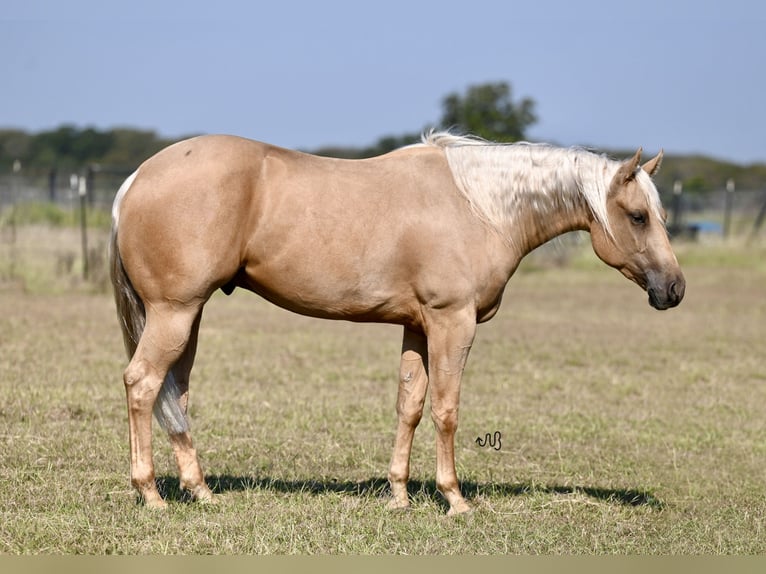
{"points": [[667, 294]]}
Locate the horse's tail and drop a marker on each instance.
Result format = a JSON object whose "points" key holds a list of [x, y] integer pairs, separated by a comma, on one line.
{"points": [[130, 308], [132, 317]]}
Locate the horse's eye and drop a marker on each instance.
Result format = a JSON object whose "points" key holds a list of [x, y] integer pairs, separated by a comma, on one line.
{"points": [[637, 218]]}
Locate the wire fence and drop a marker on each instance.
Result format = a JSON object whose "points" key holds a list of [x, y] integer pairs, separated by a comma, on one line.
{"points": [[54, 226], [62, 188]]}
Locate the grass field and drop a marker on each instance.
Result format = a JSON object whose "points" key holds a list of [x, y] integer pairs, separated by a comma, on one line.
{"points": [[624, 430]]}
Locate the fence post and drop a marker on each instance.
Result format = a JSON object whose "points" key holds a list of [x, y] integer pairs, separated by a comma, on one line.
{"points": [[83, 191], [675, 224], [727, 207], [90, 186], [758, 220], [52, 179], [12, 219]]}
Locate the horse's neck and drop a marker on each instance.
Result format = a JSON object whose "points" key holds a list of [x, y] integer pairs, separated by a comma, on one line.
{"points": [[529, 193], [541, 217]]}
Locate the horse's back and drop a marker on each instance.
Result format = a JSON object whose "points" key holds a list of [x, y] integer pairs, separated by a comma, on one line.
{"points": [[359, 239]]}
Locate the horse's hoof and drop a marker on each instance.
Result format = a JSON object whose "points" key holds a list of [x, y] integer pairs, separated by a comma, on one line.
{"points": [[398, 506], [211, 499], [461, 509], [156, 504], [203, 494]]}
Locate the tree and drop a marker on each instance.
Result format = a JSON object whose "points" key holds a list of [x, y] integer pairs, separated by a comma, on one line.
{"points": [[488, 111], [131, 146], [14, 145], [485, 110]]}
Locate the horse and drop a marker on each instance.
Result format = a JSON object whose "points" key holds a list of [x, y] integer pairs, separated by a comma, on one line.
{"points": [[425, 236]]}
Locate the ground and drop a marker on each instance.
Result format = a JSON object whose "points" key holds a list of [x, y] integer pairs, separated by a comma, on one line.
{"points": [[624, 429]]}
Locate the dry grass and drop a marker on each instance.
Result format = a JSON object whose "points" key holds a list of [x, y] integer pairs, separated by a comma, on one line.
{"points": [[624, 430]]}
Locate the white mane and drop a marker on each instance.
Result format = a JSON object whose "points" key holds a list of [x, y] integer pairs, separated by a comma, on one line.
{"points": [[500, 180]]}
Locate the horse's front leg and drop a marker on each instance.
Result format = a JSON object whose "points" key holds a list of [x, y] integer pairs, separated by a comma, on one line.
{"points": [[413, 382], [449, 342]]}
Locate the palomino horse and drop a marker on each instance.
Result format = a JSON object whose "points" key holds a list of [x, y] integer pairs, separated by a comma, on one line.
{"points": [[426, 237]]}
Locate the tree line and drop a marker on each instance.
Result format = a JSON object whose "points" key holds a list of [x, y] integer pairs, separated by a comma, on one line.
{"points": [[487, 110], [71, 148]]}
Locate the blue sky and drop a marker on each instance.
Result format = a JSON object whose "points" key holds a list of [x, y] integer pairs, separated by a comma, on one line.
{"points": [[686, 76]]}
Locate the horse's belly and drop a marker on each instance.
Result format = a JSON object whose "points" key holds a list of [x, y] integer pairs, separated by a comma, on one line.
{"points": [[319, 290]]}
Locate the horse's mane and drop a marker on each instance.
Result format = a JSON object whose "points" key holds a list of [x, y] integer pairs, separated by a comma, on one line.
{"points": [[500, 179]]}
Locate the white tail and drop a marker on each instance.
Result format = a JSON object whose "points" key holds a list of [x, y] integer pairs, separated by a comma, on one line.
{"points": [[132, 316]]}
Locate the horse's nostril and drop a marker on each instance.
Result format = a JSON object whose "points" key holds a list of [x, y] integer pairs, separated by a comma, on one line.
{"points": [[676, 291]]}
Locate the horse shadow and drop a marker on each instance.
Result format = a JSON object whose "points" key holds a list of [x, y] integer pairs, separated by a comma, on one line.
{"points": [[379, 488]]}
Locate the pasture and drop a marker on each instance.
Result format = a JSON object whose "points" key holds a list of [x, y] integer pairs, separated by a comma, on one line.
{"points": [[624, 429]]}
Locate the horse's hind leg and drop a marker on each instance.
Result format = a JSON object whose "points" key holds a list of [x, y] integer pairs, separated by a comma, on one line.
{"points": [[189, 469], [162, 343], [413, 382]]}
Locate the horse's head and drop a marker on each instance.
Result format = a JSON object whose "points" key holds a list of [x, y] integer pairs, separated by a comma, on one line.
{"points": [[637, 243]]}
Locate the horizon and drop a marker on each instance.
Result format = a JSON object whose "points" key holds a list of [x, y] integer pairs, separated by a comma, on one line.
{"points": [[602, 76]]}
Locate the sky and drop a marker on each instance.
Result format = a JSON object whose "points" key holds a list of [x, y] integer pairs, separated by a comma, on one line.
{"points": [[686, 76]]}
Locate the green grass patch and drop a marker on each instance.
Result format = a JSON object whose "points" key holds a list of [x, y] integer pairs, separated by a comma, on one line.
{"points": [[51, 214], [624, 430], [43, 258]]}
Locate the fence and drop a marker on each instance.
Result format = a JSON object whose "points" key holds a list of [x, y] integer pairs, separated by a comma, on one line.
{"points": [[716, 214], [62, 188], [54, 226]]}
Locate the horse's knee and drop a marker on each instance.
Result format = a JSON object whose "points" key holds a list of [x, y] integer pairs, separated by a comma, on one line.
{"points": [[409, 411], [445, 419]]}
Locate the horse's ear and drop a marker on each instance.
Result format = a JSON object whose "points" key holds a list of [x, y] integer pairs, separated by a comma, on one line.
{"points": [[627, 171], [653, 165]]}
